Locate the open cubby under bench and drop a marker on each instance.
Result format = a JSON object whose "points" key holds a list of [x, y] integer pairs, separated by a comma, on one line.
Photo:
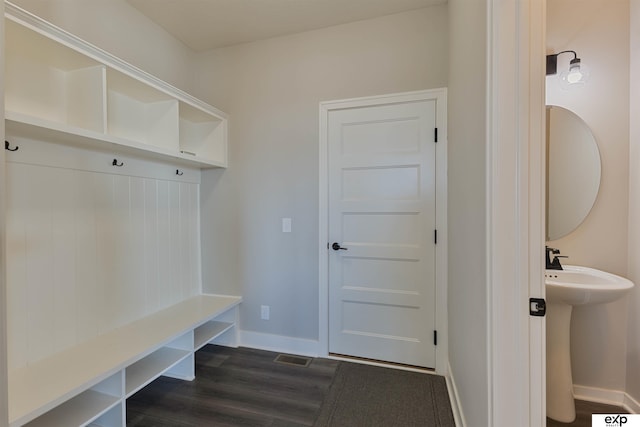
{"points": [[88, 384]]}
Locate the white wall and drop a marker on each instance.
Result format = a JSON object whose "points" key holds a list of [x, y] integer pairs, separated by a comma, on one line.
{"points": [[120, 29], [272, 91], [633, 333], [598, 30], [468, 330]]}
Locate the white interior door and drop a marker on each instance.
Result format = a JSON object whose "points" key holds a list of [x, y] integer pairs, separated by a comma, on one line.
{"points": [[382, 229]]}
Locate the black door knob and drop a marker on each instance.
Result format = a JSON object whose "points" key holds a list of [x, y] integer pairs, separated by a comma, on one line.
{"points": [[336, 247]]}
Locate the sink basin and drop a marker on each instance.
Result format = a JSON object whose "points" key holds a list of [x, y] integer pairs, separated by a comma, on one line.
{"points": [[573, 286], [583, 285]]}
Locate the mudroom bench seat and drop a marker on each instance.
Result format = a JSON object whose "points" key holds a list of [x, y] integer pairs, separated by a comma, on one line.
{"points": [[88, 384]]}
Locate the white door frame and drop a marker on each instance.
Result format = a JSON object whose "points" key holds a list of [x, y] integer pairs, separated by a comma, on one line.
{"points": [[515, 210], [440, 95], [4, 393]]}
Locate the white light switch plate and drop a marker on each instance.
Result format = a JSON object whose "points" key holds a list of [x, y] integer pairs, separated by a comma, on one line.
{"points": [[286, 225]]}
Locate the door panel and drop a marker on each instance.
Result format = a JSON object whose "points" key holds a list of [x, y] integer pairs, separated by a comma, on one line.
{"points": [[382, 210], [381, 183], [381, 135]]}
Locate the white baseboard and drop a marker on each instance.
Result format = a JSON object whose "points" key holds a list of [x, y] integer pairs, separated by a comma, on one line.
{"points": [[454, 398], [279, 343], [609, 397], [631, 404]]}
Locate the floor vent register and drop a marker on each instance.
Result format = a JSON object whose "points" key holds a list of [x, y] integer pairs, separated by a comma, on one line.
{"points": [[288, 359]]}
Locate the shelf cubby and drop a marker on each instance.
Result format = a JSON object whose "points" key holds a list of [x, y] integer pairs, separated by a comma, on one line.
{"points": [[185, 368], [208, 331], [87, 407], [78, 411], [48, 80], [202, 134], [151, 367], [114, 417], [141, 113]]}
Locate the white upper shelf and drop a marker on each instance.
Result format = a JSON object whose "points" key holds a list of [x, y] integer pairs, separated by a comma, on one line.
{"points": [[56, 82]]}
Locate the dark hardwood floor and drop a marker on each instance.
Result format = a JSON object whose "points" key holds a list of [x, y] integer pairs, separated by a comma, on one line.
{"points": [[245, 387], [235, 387], [583, 414]]}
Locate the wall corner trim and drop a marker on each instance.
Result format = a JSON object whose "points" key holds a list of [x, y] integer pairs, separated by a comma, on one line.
{"points": [[606, 396], [454, 399]]}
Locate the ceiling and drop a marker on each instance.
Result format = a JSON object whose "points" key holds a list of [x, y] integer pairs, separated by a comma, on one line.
{"points": [[209, 24]]}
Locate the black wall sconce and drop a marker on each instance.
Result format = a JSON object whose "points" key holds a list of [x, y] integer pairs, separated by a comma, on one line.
{"points": [[576, 73]]}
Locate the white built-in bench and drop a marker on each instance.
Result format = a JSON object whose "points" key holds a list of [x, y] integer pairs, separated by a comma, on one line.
{"points": [[89, 383], [77, 113]]}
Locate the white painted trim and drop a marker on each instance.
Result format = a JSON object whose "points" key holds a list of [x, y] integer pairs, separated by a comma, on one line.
{"points": [[515, 211], [631, 404], [454, 399], [392, 98], [442, 249], [599, 395], [323, 231], [440, 95], [606, 396], [4, 380], [535, 65], [279, 343]]}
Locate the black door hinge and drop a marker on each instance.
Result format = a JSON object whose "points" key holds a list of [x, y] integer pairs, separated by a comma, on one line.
{"points": [[435, 134], [435, 236], [537, 307], [435, 337]]}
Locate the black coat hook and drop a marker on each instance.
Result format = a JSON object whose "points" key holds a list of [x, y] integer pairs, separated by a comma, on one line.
{"points": [[115, 163], [6, 146], [179, 172]]}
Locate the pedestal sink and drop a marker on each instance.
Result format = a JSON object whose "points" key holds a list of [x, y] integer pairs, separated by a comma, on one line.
{"points": [[565, 288]]}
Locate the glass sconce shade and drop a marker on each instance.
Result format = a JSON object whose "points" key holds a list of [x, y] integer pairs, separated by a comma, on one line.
{"points": [[576, 75]]}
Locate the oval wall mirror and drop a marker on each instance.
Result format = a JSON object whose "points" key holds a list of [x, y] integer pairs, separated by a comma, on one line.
{"points": [[573, 171]]}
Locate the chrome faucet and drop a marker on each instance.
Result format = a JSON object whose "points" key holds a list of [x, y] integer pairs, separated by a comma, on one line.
{"points": [[553, 258]]}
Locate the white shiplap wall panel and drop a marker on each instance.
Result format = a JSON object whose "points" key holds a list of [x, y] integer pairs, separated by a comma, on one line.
{"points": [[39, 251], [191, 250], [164, 247], [136, 276], [17, 298], [186, 226], [87, 277], [89, 251], [64, 205], [151, 245], [121, 226], [175, 290], [105, 250], [121, 265]]}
